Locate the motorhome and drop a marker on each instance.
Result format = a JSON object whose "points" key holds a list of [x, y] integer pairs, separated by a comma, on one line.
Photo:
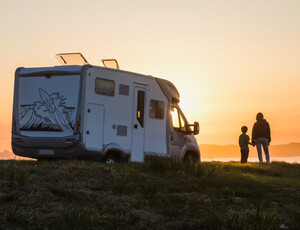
{"points": [[78, 110]]}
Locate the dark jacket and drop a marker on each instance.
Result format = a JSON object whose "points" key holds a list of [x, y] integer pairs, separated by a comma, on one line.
{"points": [[261, 129]]}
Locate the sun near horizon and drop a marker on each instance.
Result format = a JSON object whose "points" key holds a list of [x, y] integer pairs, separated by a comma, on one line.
{"points": [[229, 60]]}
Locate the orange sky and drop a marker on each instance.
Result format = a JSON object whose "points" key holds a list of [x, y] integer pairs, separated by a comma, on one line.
{"points": [[229, 59]]}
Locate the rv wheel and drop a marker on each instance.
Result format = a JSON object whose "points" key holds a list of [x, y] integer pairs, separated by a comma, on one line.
{"points": [[112, 158], [190, 157]]}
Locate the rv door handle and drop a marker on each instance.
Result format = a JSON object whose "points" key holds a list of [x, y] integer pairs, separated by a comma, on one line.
{"points": [[135, 126]]}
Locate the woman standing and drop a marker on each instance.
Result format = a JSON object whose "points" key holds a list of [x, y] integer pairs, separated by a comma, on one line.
{"points": [[261, 136]]}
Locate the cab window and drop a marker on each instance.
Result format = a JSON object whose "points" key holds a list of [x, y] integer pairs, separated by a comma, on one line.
{"points": [[177, 120]]}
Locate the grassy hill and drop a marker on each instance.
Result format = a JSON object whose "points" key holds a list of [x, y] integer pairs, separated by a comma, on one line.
{"points": [[158, 194]]}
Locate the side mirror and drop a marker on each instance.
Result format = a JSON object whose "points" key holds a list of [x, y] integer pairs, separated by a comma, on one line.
{"points": [[195, 129]]}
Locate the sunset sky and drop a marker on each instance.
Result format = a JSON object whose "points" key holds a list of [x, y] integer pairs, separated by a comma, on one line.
{"points": [[228, 59]]}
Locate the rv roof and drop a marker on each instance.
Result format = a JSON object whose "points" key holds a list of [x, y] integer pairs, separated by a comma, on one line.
{"points": [[71, 59]]}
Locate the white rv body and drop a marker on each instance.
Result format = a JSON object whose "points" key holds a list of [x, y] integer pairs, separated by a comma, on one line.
{"points": [[100, 113]]}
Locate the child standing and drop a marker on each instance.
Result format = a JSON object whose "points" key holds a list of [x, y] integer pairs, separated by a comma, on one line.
{"points": [[243, 142]]}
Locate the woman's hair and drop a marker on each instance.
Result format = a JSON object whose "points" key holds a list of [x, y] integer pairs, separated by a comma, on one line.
{"points": [[259, 116]]}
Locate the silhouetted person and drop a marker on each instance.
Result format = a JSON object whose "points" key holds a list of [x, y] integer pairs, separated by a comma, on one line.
{"points": [[243, 142], [261, 136]]}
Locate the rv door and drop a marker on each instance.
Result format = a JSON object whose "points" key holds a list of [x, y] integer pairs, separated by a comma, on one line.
{"points": [[137, 147], [94, 127]]}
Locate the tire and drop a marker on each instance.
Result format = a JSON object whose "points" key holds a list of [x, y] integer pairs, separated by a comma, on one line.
{"points": [[112, 158], [190, 157]]}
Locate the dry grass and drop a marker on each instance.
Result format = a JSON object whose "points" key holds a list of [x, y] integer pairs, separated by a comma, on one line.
{"points": [[159, 194]]}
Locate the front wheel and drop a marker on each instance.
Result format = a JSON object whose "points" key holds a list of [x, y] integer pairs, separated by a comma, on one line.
{"points": [[190, 157]]}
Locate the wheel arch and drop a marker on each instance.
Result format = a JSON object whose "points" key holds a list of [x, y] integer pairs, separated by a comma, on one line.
{"points": [[115, 150], [194, 153]]}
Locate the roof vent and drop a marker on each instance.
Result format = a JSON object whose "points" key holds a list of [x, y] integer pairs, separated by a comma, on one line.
{"points": [[71, 59], [110, 63]]}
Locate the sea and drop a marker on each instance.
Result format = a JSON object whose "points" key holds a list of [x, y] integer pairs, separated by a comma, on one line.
{"points": [[273, 159]]}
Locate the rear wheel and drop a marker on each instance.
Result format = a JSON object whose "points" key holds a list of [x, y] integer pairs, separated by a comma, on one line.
{"points": [[112, 158]]}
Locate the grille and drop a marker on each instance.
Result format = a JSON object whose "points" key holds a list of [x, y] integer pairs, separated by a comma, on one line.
{"points": [[124, 90]]}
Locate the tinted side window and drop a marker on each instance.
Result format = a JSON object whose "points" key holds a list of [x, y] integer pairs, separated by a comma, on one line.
{"points": [[105, 87], [140, 107], [157, 109]]}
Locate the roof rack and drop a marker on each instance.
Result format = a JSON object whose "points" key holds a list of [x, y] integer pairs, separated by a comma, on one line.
{"points": [[79, 59]]}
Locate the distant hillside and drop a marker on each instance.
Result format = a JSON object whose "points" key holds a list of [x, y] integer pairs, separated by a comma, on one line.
{"points": [[288, 150], [4, 155], [8, 155]]}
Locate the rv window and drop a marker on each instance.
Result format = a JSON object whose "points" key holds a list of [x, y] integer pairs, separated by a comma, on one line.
{"points": [[157, 109], [140, 107], [105, 87]]}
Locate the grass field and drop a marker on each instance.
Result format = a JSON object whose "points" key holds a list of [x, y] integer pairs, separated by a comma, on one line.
{"points": [[159, 194]]}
